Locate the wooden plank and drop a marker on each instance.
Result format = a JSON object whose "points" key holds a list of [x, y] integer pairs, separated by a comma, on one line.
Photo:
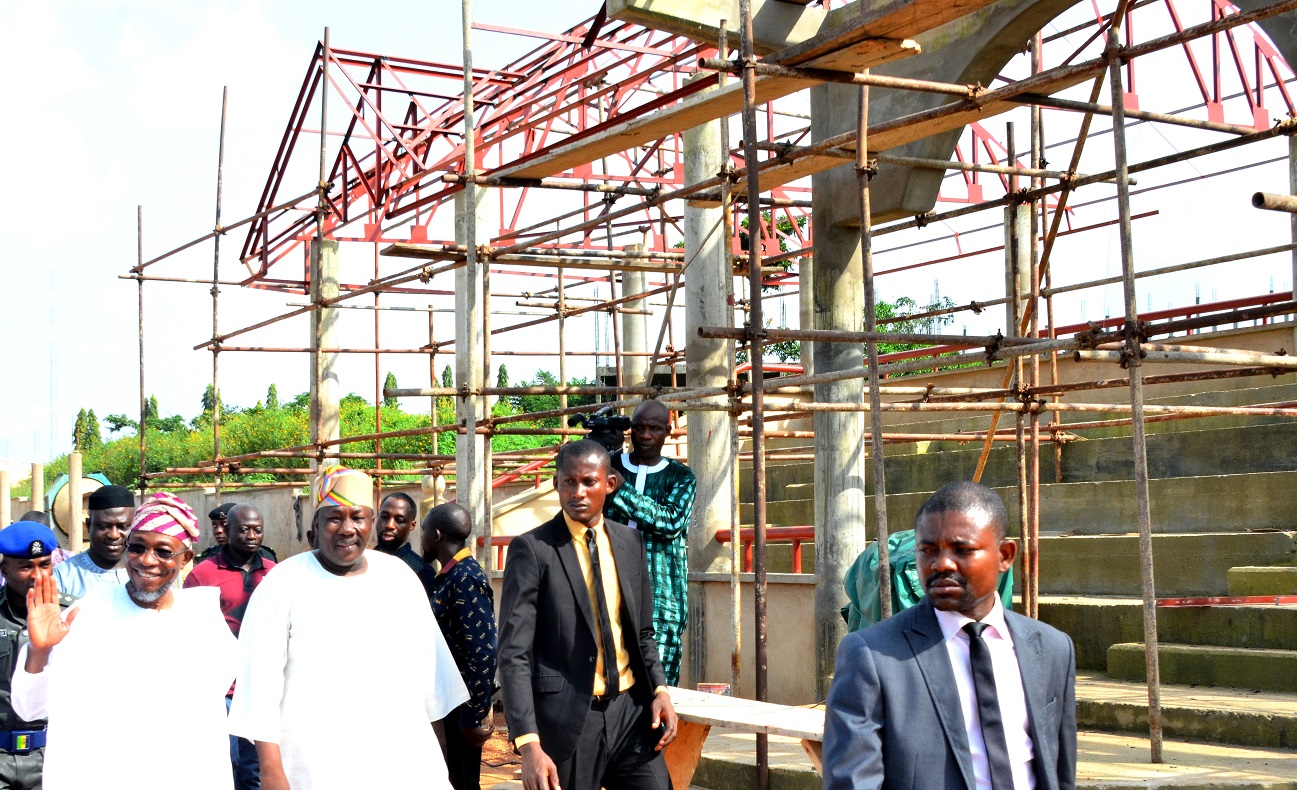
{"points": [[748, 715], [815, 751], [683, 754], [845, 47]]}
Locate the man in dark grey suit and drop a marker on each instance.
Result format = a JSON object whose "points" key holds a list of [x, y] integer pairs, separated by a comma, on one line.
{"points": [[954, 692], [584, 691]]}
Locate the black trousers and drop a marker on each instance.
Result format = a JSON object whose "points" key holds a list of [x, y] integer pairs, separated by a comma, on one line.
{"points": [[463, 759], [22, 771], [616, 750]]}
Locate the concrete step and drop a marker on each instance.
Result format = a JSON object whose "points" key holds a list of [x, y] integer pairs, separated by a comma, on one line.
{"points": [[1253, 501], [1104, 565], [1209, 665], [1106, 760], [1263, 580], [1097, 623], [1260, 719]]}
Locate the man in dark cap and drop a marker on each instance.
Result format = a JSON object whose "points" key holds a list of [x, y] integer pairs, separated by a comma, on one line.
{"points": [[41, 517], [220, 530], [111, 509], [25, 548]]}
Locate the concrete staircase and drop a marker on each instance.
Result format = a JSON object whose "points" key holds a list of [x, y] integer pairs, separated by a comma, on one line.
{"points": [[1224, 508]]}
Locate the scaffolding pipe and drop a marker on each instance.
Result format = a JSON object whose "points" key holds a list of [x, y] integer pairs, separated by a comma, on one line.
{"points": [[216, 302], [142, 429], [1271, 202], [1139, 436], [755, 335]]}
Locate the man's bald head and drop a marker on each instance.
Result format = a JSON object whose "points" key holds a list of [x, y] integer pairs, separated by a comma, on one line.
{"points": [[654, 409], [451, 519]]}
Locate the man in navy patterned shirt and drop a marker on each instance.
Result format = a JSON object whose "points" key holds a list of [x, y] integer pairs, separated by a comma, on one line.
{"points": [[464, 606]]}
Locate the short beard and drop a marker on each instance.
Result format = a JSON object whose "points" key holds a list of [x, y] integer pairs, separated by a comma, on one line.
{"points": [[139, 596]]}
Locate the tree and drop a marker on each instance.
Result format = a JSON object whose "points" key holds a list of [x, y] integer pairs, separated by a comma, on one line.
{"points": [[79, 431], [272, 398], [151, 408], [116, 422], [94, 438], [502, 377], [448, 377], [210, 396], [389, 384]]}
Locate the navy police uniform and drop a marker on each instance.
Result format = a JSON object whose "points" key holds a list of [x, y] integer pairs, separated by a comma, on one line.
{"points": [[22, 743]]}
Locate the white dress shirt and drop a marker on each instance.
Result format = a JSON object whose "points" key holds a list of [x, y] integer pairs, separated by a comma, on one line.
{"points": [[1008, 685]]}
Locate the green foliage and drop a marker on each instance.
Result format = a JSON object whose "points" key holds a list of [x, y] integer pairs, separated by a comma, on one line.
{"points": [[502, 377], [448, 377], [534, 403], [175, 442], [389, 383], [791, 350], [151, 407]]}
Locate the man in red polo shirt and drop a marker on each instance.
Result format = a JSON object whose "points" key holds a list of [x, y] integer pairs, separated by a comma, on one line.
{"points": [[237, 569]]}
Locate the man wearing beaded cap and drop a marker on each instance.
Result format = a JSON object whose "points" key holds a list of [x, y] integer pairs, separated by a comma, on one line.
{"points": [[127, 657], [340, 643]]}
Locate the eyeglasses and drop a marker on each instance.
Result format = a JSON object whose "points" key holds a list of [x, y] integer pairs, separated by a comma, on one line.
{"points": [[163, 555]]}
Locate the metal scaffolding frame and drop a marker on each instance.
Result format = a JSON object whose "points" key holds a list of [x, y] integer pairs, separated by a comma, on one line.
{"points": [[633, 113]]}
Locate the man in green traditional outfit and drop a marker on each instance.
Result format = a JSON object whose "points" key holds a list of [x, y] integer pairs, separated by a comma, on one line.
{"points": [[656, 496]]}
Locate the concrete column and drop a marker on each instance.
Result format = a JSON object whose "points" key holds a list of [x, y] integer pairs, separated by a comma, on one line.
{"points": [[806, 305], [708, 363], [1017, 264], [710, 302], [838, 290], [471, 488], [634, 328], [325, 388], [1292, 187], [76, 512], [6, 504], [38, 488]]}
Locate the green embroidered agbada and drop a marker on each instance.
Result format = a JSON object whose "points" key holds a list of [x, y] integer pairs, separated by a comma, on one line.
{"points": [[657, 501]]}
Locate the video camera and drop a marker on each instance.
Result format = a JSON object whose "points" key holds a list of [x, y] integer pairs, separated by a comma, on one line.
{"points": [[606, 427]]}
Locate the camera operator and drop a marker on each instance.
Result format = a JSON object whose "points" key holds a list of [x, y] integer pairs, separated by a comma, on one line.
{"points": [[656, 495]]}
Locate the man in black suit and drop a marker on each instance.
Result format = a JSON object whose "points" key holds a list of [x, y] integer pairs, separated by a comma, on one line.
{"points": [[584, 692], [954, 692]]}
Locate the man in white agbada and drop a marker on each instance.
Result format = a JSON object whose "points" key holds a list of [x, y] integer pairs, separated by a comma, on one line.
{"points": [[132, 664], [345, 668]]}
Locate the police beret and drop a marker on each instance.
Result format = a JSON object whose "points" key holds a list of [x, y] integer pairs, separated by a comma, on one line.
{"points": [[27, 539], [221, 511]]}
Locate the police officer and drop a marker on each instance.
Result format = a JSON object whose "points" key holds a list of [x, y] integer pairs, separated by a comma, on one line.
{"points": [[25, 548]]}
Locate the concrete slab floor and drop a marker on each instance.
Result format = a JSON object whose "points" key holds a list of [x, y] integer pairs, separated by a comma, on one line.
{"points": [[1099, 688], [1105, 761]]}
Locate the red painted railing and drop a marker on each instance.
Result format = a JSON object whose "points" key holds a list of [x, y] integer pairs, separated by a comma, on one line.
{"points": [[500, 543], [534, 466], [793, 535]]}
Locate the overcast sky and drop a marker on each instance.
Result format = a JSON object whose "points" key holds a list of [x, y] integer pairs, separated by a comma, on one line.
{"points": [[116, 104]]}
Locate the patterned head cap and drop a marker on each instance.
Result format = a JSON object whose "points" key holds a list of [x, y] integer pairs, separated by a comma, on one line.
{"points": [[168, 514], [344, 487]]}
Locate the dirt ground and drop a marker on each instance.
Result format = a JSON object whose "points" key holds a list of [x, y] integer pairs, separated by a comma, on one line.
{"points": [[498, 759]]}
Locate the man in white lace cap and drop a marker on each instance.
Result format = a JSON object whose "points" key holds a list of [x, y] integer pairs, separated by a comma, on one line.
{"points": [[339, 641]]}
